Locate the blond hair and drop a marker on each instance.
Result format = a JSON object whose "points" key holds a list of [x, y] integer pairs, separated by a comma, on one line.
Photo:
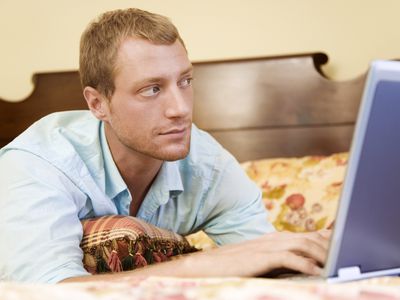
{"points": [[102, 38]]}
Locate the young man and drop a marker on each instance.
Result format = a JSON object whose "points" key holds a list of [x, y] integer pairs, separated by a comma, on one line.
{"points": [[135, 153]]}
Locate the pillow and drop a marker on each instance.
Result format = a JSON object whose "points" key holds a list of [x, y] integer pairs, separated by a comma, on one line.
{"points": [[200, 240], [300, 194], [120, 243]]}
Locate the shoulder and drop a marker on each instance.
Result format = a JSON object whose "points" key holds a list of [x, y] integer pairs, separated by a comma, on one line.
{"points": [[55, 131], [206, 153], [204, 147], [67, 124], [65, 140]]}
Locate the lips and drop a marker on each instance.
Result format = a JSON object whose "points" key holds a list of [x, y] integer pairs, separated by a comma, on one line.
{"points": [[175, 130]]}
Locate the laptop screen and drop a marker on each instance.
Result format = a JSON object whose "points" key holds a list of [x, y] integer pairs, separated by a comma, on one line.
{"points": [[368, 222]]}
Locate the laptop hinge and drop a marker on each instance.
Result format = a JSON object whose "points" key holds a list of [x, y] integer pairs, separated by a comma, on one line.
{"points": [[349, 273]]}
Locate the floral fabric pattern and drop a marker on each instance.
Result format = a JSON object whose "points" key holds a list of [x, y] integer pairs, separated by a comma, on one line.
{"points": [[300, 194], [169, 288]]}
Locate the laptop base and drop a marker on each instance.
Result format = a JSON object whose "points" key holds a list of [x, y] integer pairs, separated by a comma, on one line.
{"points": [[354, 273]]}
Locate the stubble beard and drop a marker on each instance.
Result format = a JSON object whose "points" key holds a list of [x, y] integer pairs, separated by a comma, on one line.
{"points": [[159, 152]]}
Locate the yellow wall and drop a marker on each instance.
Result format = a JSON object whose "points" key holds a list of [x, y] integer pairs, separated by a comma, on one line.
{"points": [[43, 35]]}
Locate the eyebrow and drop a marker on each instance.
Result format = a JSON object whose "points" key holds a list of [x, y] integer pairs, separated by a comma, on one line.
{"points": [[188, 70], [158, 79]]}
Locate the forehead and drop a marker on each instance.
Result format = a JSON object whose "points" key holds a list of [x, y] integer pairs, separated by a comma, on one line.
{"points": [[139, 58]]}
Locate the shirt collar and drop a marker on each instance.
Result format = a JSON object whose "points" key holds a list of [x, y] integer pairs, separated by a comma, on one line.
{"points": [[170, 170], [167, 184], [114, 183], [168, 180]]}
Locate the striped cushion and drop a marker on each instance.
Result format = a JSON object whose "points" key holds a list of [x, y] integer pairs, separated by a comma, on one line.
{"points": [[119, 243]]}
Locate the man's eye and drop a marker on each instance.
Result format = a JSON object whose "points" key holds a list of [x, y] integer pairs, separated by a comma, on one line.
{"points": [[150, 91], [186, 82]]}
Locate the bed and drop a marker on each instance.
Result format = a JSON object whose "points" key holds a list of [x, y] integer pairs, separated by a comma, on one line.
{"points": [[287, 123], [285, 103]]}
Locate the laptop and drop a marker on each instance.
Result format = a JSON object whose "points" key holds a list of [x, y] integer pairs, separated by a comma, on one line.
{"points": [[366, 238]]}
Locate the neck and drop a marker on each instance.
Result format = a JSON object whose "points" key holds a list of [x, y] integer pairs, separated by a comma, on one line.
{"points": [[137, 170]]}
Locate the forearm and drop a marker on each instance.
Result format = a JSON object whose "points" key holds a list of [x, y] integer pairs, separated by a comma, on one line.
{"points": [[299, 252], [190, 265]]}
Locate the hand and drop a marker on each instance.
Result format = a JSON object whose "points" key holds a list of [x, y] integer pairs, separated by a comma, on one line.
{"points": [[301, 252]]}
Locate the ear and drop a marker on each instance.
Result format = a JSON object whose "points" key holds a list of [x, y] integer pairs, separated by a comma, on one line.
{"points": [[97, 103]]}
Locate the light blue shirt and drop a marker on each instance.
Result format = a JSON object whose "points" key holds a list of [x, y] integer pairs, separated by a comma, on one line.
{"points": [[60, 170]]}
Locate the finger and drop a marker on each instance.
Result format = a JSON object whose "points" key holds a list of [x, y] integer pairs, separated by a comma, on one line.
{"points": [[290, 260], [331, 225], [326, 233], [308, 248], [322, 238], [310, 244]]}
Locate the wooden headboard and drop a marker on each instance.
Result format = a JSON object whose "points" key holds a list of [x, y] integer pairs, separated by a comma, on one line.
{"points": [[263, 107]]}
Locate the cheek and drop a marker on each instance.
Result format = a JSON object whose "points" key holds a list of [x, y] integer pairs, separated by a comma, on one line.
{"points": [[133, 118], [191, 103], [134, 122]]}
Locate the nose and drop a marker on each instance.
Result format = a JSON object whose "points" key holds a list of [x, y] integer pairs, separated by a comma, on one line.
{"points": [[178, 102]]}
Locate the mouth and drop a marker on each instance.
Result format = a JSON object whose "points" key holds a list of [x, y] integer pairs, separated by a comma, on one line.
{"points": [[175, 132]]}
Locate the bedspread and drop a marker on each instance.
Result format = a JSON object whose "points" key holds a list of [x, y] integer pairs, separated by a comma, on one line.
{"points": [[169, 288]]}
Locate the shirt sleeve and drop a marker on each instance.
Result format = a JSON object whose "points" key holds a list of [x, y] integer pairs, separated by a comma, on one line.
{"points": [[233, 205], [40, 231]]}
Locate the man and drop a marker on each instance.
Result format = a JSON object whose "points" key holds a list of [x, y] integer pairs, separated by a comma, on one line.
{"points": [[135, 153]]}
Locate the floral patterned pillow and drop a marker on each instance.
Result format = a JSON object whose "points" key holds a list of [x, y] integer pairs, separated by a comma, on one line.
{"points": [[300, 194]]}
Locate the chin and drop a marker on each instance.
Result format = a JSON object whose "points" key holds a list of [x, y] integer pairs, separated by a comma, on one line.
{"points": [[173, 153]]}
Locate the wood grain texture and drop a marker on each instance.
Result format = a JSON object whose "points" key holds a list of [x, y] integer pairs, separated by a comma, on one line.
{"points": [[250, 144], [256, 108], [281, 91], [276, 106], [52, 92]]}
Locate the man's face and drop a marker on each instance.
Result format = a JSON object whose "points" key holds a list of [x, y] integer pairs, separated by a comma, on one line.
{"points": [[150, 111]]}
